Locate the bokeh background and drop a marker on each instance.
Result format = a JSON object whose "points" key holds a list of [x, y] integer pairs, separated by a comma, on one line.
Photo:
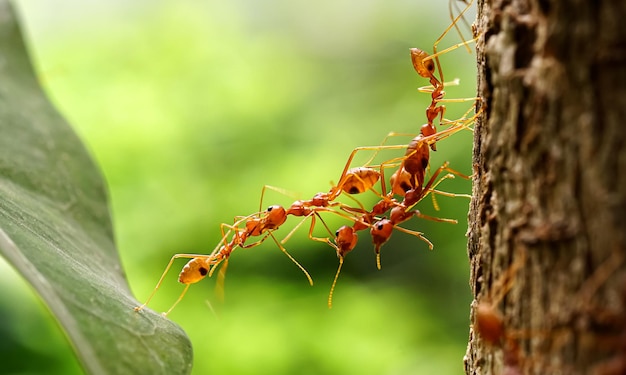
{"points": [[190, 107]]}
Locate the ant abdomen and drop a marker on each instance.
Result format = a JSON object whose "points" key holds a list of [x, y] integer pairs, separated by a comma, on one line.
{"points": [[195, 270]]}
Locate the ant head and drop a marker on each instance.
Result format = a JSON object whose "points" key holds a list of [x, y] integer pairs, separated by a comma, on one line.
{"points": [[381, 231], [276, 216], [195, 270], [423, 68], [346, 239], [489, 323]]}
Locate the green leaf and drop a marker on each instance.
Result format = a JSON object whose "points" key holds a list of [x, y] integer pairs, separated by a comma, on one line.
{"points": [[55, 229]]}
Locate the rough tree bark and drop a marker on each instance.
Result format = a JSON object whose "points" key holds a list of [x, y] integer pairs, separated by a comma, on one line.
{"points": [[550, 187]]}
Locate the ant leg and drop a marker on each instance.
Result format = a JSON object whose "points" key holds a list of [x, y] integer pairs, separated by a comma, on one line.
{"points": [[432, 138], [463, 122], [313, 223], [433, 182], [451, 195], [416, 234], [257, 242], [444, 167], [382, 146], [312, 227], [312, 215], [345, 241], [382, 231], [225, 247], [295, 228], [437, 219], [433, 191], [452, 18], [429, 89], [282, 248], [441, 110], [599, 277], [464, 43], [445, 194], [177, 301], [221, 279], [281, 191], [457, 100]]}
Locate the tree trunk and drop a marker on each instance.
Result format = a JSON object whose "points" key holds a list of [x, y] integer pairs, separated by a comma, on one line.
{"points": [[549, 199]]}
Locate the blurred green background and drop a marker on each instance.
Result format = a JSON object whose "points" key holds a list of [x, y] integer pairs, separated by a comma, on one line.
{"points": [[190, 107]]}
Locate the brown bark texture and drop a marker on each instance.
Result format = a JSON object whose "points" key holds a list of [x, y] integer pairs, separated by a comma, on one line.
{"points": [[547, 241]]}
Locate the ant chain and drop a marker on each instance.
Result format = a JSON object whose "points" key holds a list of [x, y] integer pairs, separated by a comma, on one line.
{"points": [[397, 197]]}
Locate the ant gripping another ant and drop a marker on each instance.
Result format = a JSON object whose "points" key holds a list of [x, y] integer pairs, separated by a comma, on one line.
{"points": [[380, 228], [408, 182], [262, 224], [352, 181], [357, 180], [259, 224]]}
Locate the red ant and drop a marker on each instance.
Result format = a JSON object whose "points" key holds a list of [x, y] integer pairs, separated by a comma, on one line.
{"points": [[346, 236], [263, 224], [200, 265], [425, 65], [345, 240], [401, 212], [413, 165], [352, 181], [407, 181], [489, 323]]}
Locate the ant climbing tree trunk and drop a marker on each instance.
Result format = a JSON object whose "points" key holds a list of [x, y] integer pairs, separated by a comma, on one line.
{"points": [[549, 199]]}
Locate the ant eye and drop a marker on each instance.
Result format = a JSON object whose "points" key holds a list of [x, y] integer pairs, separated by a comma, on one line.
{"points": [[337, 233], [270, 208], [430, 66], [203, 271], [379, 226]]}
